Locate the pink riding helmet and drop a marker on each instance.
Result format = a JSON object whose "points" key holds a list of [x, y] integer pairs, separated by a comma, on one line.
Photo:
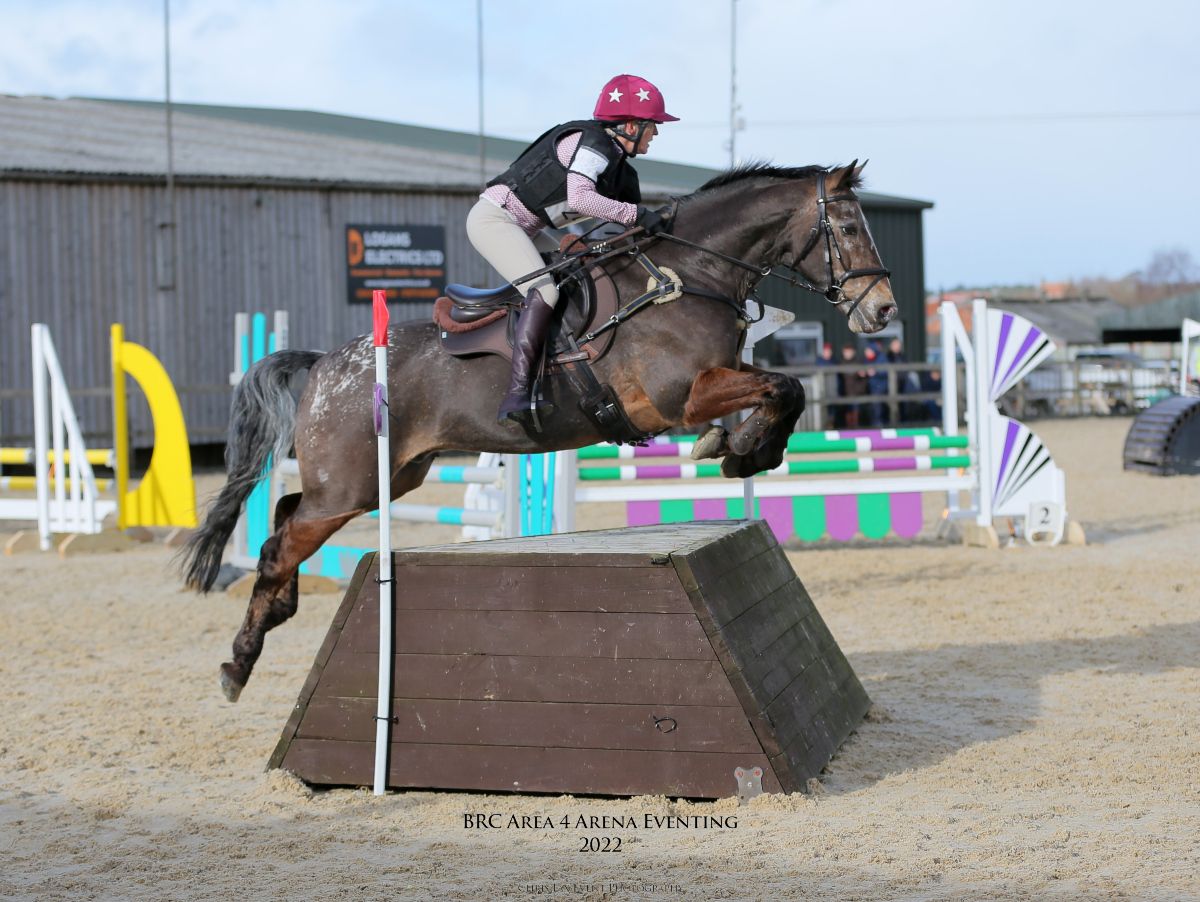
{"points": [[630, 97]]}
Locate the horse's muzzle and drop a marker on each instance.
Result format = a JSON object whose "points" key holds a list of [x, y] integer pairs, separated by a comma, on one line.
{"points": [[874, 312]]}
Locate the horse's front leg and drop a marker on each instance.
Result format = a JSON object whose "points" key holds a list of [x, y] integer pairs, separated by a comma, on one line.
{"points": [[759, 443]]}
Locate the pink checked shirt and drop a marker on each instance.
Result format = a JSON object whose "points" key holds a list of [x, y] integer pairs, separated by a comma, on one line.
{"points": [[583, 200]]}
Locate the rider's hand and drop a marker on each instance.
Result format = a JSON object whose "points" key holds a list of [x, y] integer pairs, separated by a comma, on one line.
{"points": [[653, 221]]}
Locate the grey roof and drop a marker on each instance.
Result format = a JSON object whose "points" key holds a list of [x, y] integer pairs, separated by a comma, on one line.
{"points": [[1163, 315], [1069, 322], [127, 138], [122, 139]]}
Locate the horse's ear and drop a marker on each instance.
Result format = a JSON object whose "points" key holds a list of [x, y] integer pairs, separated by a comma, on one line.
{"points": [[843, 177]]}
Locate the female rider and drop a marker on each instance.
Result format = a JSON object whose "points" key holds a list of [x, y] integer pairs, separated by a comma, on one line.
{"points": [[577, 170]]}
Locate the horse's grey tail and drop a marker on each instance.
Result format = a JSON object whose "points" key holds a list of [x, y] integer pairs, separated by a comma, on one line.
{"points": [[262, 421]]}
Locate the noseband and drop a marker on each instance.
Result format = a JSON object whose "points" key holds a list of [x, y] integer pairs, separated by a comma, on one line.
{"points": [[834, 292]]}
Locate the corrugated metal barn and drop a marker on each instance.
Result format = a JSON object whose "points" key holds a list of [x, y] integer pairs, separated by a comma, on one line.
{"points": [[257, 220]]}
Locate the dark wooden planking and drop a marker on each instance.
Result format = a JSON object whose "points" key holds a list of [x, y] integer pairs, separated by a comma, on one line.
{"points": [[819, 689], [627, 546], [498, 769], [826, 729], [738, 543], [536, 724], [781, 659], [624, 547], [784, 659], [366, 568], [628, 589], [806, 756], [729, 594], [795, 653], [539, 651], [747, 611], [768, 669], [740, 648], [561, 634], [525, 559], [749, 636], [846, 709], [820, 633], [512, 678]]}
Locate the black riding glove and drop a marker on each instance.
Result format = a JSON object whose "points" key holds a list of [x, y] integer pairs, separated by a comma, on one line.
{"points": [[654, 221]]}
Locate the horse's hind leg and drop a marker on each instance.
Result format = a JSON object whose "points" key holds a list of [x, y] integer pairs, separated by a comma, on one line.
{"points": [[298, 535], [285, 605], [275, 594]]}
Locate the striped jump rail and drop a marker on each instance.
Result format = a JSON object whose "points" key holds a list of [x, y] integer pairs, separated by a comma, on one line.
{"points": [[830, 434], [841, 507], [787, 468], [437, 473], [97, 457], [799, 443], [29, 483], [456, 474], [451, 516]]}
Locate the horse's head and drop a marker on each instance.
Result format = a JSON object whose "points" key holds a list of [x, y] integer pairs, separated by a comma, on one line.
{"points": [[829, 243], [806, 219]]}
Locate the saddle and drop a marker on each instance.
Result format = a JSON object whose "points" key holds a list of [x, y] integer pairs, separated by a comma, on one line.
{"points": [[474, 321]]}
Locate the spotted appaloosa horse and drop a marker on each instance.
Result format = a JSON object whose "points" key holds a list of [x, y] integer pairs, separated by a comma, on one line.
{"points": [[673, 364]]}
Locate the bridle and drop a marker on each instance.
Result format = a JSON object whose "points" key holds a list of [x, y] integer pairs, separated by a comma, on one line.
{"points": [[834, 292]]}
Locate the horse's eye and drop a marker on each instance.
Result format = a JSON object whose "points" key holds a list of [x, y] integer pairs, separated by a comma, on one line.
{"points": [[850, 229]]}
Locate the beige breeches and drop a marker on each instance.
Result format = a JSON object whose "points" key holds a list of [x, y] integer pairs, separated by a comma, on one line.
{"points": [[511, 252]]}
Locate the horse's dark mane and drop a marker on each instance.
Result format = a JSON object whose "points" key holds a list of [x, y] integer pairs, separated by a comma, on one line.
{"points": [[759, 169]]}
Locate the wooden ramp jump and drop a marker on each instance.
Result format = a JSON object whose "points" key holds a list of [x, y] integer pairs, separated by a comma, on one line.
{"points": [[651, 660], [1165, 438]]}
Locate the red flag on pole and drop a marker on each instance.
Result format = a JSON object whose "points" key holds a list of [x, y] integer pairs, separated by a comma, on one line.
{"points": [[379, 302]]}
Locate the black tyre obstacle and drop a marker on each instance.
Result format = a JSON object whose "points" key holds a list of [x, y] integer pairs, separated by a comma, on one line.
{"points": [[1165, 438]]}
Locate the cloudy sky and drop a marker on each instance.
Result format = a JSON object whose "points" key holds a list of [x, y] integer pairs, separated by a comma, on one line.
{"points": [[1057, 138]]}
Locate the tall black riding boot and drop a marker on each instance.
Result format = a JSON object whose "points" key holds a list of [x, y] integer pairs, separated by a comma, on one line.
{"points": [[527, 349]]}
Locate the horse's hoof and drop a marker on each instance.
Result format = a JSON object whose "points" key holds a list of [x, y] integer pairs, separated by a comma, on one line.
{"points": [[746, 439], [229, 686], [736, 467], [711, 444]]}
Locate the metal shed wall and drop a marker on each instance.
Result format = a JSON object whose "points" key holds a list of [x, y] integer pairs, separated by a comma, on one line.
{"points": [[82, 255]]}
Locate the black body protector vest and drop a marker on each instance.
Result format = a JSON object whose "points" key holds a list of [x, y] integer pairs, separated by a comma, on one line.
{"points": [[539, 180]]}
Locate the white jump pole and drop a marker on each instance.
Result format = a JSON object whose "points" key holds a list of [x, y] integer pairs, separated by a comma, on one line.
{"points": [[41, 440], [955, 340], [1190, 331], [983, 423], [383, 714]]}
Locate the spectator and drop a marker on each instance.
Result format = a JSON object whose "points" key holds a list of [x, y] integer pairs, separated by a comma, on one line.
{"points": [[850, 385], [931, 381], [877, 384], [828, 388], [906, 382]]}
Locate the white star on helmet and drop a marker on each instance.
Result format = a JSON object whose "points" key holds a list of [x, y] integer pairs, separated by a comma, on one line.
{"points": [[614, 95], [643, 94]]}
